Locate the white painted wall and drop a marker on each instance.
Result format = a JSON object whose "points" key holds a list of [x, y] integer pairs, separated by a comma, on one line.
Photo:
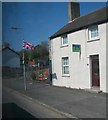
{"points": [[10, 58], [77, 78], [78, 64], [99, 47], [79, 67]]}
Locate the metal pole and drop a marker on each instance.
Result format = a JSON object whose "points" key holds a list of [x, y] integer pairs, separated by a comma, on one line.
{"points": [[25, 86]]}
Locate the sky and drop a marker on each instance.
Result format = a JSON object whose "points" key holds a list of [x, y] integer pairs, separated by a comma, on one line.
{"points": [[38, 20]]}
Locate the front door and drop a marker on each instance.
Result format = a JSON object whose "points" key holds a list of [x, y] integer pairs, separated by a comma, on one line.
{"points": [[95, 71]]}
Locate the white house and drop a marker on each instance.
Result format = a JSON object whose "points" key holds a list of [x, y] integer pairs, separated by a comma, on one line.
{"points": [[10, 58], [78, 52]]}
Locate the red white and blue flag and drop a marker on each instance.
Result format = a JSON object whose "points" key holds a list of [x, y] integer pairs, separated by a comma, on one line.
{"points": [[28, 45]]}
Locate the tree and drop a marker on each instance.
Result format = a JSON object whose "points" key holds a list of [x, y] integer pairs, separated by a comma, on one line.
{"points": [[40, 52], [45, 50], [45, 44]]}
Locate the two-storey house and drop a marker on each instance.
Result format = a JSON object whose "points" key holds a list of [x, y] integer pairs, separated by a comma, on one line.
{"points": [[78, 52]]}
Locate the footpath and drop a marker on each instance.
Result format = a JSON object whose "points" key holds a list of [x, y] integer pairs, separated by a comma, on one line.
{"points": [[46, 101]]}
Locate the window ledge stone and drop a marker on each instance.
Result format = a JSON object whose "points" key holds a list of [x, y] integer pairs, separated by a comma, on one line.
{"points": [[92, 40], [64, 46], [65, 75]]}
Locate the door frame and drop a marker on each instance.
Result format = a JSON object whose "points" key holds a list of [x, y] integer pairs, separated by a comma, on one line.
{"points": [[91, 79]]}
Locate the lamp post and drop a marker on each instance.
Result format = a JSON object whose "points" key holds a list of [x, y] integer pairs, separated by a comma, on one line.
{"points": [[25, 85]]}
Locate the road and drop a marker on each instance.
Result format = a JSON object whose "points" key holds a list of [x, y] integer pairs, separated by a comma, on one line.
{"points": [[12, 111], [78, 103], [13, 93]]}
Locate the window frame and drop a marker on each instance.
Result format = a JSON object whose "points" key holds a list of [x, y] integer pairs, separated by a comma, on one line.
{"points": [[90, 38], [62, 40], [65, 65]]}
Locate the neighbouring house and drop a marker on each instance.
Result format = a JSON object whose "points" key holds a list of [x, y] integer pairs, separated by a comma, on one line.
{"points": [[78, 51], [43, 63], [31, 63], [10, 58]]}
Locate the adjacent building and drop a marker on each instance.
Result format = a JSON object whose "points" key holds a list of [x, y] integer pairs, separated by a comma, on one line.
{"points": [[10, 58], [78, 52]]}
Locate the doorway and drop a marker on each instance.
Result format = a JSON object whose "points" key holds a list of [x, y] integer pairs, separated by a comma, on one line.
{"points": [[95, 82]]}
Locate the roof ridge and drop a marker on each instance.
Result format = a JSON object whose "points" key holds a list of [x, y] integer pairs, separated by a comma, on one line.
{"points": [[91, 12], [10, 49], [97, 16]]}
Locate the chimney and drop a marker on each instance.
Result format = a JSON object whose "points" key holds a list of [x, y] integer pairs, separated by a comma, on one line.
{"points": [[73, 10]]}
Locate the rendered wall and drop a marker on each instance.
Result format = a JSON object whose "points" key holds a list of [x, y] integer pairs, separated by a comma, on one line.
{"points": [[79, 65]]}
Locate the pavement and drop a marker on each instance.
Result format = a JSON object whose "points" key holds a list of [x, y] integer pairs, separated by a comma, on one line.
{"points": [[71, 103]]}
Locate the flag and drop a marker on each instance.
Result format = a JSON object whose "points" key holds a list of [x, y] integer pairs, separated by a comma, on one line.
{"points": [[28, 45]]}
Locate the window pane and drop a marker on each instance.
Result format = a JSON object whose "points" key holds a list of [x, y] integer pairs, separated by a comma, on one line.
{"points": [[64, 40], [65, 61], [65, 65], [66, 70], [94, 32]]}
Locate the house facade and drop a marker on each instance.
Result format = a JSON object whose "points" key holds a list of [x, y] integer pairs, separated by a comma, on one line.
{"points": [[78, 52], [10, 58]]}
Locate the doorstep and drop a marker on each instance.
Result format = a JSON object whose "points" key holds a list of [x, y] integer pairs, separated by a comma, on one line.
{"points": [[94, 90]]}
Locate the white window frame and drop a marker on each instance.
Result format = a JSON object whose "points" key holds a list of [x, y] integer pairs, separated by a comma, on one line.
{"points": [[90, 29], [62, 40], [65, 65]]}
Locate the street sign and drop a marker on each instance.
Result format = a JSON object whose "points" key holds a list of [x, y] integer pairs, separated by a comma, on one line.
{"points": [[76, 48]]}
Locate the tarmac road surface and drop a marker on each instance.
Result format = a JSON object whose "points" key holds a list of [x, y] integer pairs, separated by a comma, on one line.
{"points": [[78, 103]]}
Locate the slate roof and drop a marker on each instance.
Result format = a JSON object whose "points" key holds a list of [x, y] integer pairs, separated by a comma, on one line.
{"points": [[10, 50], [97, 17]]}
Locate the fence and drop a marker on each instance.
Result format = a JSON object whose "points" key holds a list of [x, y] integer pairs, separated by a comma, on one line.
{"points": [[37, 73], [11, 72], [32, 73]]}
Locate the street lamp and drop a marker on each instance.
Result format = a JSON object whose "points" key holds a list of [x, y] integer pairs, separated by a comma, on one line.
{"points": [[16, 28]]}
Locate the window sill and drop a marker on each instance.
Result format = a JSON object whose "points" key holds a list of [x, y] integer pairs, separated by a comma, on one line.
{"points": [[64, 46], [92, 40], [66, 75]]}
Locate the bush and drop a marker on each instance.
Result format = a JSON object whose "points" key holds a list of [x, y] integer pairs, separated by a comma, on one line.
{"points": [[33, 76]]}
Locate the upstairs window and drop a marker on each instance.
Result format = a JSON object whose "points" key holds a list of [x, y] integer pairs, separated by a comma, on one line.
{"points": [[93, 33], [64, 40]]}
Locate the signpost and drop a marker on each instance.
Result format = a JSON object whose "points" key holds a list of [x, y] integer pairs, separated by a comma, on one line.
{"points": [[77, 48], [25, 86]]}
